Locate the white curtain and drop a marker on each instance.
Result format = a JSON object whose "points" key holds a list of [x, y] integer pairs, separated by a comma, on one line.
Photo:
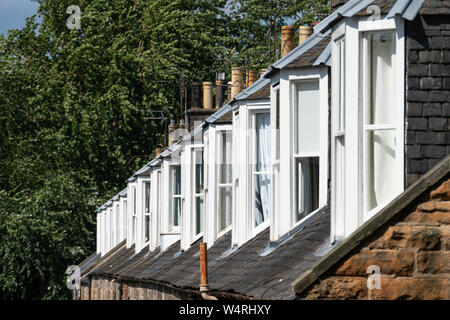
{"points": [[381, 143], [262, 181]]}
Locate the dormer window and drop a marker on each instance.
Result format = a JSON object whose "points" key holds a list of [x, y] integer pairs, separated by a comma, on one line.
{"points": [[367, 120]]}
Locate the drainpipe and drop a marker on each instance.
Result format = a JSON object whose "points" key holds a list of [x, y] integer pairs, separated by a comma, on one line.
{"points": [[204, 286]]}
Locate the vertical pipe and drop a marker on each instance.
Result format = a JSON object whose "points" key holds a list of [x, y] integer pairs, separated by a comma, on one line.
{"points": [[204, 286]]}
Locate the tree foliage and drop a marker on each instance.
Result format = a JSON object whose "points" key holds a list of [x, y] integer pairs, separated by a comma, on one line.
{"points": [[75, 108]]}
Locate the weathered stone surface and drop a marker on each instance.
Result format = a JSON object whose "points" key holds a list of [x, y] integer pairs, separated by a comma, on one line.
{"points": [[392, 262], [433, 262], [442, 193], [429, 218], [405, 236], [434, 205], [423, 288], [340, 288]]}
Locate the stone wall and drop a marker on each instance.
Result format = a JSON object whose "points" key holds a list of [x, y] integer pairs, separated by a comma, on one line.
{"points": [[103, 288], [412, 252], [428, 89]]}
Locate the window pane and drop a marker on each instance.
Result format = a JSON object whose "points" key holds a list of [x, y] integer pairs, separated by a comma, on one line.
{"points": [[134, 229], [381, 178], [341, 85], [198, 171], [118, 222], [381, 78], [134, 200], [307, 116], [147, 228], [277, 124], [147, 197], [261, 182], [199, 214], [307, 181], [262, 141], [224, 207], [176, 213], [225, 156], [262, 198], [176, 179], [125, 219]]}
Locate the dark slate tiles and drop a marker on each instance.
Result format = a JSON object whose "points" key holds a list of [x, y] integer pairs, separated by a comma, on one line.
{"points": [[243, 271]]}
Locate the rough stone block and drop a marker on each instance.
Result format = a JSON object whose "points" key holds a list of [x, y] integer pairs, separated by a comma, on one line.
{"points": [[392, 262], [433, 262], [432, 109], [405, 236]]}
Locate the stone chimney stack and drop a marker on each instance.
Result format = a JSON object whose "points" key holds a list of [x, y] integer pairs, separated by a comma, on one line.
{"points": [[287, 39], [172, 128], [250, 77], [207, 95], [196, 95], [304, 33], [237, 83], [219, 93]]}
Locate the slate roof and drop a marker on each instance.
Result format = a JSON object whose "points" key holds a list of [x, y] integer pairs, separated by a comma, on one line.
{"points": [[244, 271], [310, 57], [263, 93]]}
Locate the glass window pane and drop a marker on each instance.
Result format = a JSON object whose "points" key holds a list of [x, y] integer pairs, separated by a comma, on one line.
{"points": [[198, 171], [262, 198], [307, 181], [199, 214], [262, 141], [381, 178], [147, 228], [224, 207], [381, 77], [176, 213], [134, 200], [224, 159], [125, 219], [147, 197], [277, 124], [176, 179], [307, 116]]}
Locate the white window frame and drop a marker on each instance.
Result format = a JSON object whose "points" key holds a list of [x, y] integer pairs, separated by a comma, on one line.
{"points": [[173, 228], [143, 213], [283, 217], [211, 155], [253, 111], [155, 206], [353, 30], [131, 213], [227, 129], [322, 153]]}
